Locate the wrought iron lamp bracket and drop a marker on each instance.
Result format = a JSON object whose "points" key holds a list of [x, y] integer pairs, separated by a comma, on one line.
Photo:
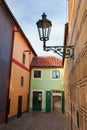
{"points": [[44, 26], [64, 51]]}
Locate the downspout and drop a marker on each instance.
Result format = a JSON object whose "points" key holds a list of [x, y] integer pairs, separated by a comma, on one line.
{"points": [[9, 76], [29, 82], [28, 95]]}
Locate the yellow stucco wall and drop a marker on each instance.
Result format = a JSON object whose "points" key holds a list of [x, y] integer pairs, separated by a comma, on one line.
{"points": [[76, 70], [19, 69], [16, 89]]}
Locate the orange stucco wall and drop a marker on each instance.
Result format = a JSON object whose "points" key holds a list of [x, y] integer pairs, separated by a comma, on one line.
{"points": [[19, 69]]}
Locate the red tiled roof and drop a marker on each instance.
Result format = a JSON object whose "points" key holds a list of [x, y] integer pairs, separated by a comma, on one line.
{"points": [[46, 61]]}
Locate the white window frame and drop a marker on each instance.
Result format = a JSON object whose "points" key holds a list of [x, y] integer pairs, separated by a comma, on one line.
{"points": [[55, 78]]}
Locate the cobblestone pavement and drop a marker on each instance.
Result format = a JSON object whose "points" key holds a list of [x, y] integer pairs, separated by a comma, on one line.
{"points": [[37, 121]]}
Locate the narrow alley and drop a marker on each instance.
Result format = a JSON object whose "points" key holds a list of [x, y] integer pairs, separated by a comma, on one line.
{"points": [[37, 121]]}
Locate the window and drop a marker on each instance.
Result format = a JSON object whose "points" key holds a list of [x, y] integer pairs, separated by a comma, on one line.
{"points": [[22, 81], [23, 60], [55, 74], [37, 73], [77, 114]]}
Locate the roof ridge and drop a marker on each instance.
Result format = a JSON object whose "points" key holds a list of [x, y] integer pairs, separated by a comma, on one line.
{"points": [[47, 57], [46, 61]]}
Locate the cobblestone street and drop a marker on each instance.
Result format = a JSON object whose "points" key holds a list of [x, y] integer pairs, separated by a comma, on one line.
{"points": [[37, 121]]}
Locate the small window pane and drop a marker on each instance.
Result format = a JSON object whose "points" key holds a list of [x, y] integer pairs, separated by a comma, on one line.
{"points": [[22, 81], [37, 74], [23, 61], [55, 74]]}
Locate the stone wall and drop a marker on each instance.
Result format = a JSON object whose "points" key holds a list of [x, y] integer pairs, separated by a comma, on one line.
{"points": [[76, 70]]}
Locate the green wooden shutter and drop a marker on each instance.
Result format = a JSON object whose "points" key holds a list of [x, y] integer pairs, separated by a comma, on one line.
{"points": [[48, 101], [62, 101]]}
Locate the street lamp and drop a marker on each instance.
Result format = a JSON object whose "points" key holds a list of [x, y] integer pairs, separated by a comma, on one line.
{"points": [[44, 27]]}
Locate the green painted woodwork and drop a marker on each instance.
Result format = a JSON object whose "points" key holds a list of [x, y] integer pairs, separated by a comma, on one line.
{"points": [[47, 83], [48, 101], [37, 101], [63, 101]]}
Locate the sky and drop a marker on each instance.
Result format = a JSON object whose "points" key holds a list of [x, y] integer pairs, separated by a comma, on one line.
{"points": [[28, 12]]}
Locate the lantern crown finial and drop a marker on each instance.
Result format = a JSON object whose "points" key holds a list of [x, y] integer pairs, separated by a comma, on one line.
{"points": [[44, 16]]}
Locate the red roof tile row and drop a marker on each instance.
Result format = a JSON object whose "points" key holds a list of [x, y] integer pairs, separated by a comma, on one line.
{"points": [[46, 61]]}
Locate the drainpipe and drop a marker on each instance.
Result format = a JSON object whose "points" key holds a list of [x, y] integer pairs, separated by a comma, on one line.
{"points": [[28, 105], [28, 101]]}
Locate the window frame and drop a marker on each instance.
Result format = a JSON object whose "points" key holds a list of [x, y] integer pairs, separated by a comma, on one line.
{"points": [[23, 58], [39, 78], [55, 77], [22, 81]]}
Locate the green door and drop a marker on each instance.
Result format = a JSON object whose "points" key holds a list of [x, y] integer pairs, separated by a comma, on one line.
{"points": [[48, 101], [62, 101], [37, 101]]}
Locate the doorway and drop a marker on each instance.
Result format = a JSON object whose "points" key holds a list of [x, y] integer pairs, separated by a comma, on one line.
{"points": [[19, 113], [37, 101], [57, 103], [57, 100]]}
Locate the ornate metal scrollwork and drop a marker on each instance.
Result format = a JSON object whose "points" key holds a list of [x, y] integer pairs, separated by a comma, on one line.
{"points": [[64, 51]]}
